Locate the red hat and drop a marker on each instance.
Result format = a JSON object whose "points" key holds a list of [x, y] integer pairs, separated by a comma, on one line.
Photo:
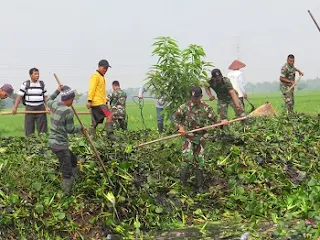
{"points": [[236, 64]]}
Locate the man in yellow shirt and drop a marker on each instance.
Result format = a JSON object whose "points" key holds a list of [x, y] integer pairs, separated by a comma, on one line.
{"points": [[97, 100]]}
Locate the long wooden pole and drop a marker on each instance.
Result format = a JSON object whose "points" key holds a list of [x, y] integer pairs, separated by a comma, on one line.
{"points": [[38, 112], [315, 22], [195, 130], [89, 139], [263, 110], [293, 85]]}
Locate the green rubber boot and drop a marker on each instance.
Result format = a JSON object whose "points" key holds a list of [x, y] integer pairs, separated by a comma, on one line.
{"points": [[66, 185], [184, 176], [199, 180], [110, 134]]}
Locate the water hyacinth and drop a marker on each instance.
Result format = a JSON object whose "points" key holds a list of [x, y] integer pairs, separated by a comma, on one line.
{"points": [[264, 176]]}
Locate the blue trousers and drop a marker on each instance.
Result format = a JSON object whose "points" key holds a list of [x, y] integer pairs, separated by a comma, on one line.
{"points": [[160, 119]]}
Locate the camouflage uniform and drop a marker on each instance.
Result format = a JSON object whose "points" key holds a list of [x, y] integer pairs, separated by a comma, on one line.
{"points": [[192, 116], [118, 100], [289, 73], [224, 97]]}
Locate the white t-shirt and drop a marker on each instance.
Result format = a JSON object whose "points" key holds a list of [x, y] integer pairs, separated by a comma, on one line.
{"points": [[237, 80]]}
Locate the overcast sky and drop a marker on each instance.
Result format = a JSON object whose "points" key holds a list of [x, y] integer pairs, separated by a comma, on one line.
{"points": [[69, 37]]}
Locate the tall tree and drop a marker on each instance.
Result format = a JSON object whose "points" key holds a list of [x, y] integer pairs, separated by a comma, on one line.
{"points": [[176, 71]]}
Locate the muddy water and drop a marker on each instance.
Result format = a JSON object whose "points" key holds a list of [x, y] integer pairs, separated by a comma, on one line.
{"points": [[217, 232]]}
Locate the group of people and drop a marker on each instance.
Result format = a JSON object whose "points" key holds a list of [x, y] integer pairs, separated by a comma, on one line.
{"points": [[33, 95], [191, 115], [196, 114]]}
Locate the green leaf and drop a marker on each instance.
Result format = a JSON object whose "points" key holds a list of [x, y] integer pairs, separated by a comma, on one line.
{"points": [[128, 149], [60, 215], [159, 210], [39, 208], [240, 190], [136, 223], [198, 212], [37, 186], [3, 150], [111, 198], [13, 198], [312, 182]]}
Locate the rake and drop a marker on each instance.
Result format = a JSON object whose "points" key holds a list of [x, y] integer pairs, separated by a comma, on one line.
{"points": [[264, 110]]}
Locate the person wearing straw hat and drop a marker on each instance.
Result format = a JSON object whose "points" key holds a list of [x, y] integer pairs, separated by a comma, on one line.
{"points": [[237, 80], [6, 91], [225, 93], [191, 115], [62, 124], [287, 79], [97, 100]]}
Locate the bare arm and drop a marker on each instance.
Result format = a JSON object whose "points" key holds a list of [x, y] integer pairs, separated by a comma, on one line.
{"points": [[16, 104], [141, 92], [235, 99], [208, 91], [300, 73]]}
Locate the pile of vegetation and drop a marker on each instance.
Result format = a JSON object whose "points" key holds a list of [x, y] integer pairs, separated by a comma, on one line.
{"points": [[265, 171]]}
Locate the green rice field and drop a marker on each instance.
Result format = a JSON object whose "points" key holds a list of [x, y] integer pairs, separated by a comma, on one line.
{"points": [[306, 102]]}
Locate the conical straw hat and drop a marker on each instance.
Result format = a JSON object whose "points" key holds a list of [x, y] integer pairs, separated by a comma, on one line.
{"points": [[236, 64], [263, 111]]}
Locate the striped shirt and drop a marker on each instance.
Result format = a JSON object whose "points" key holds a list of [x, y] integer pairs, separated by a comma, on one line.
{"points": [[61, 123], [34, 94]]}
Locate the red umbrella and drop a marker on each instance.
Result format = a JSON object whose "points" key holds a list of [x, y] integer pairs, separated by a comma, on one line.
{"points": [[236, 64]]}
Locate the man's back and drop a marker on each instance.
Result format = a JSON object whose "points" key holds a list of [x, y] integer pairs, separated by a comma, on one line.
{"points": [[58, 137], [222, 89], [195, 115], [236, 78], [118, 99]]}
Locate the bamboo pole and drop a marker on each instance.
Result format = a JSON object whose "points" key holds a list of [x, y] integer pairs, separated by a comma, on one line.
{"points": [[89, 139], [293, 85], [314, 20], [38, 112]]}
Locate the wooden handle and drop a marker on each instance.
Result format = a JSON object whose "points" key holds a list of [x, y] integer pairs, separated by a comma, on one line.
{"points": [[264, 110], [89, 139], [293, 85], [38, 112], [195, 130], [58, 80]]}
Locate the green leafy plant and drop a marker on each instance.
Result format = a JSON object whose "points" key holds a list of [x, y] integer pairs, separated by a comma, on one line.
{"points": [[176, 71], [262, 182]]}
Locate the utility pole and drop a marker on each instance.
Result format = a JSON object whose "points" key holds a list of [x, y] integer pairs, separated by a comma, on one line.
{"points": [[238, 48]]}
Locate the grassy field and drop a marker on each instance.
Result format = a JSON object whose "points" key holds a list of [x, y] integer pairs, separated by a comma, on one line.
{"points": [[306, 102]]}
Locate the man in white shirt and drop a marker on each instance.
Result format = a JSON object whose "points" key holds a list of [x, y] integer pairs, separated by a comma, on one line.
{"points": [[33, 94], [237, 79]]}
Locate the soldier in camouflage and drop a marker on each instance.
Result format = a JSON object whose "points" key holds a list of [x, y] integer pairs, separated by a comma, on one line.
{"points": [[191, 115], [287, 78], [225, 93], [117, 100]]}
